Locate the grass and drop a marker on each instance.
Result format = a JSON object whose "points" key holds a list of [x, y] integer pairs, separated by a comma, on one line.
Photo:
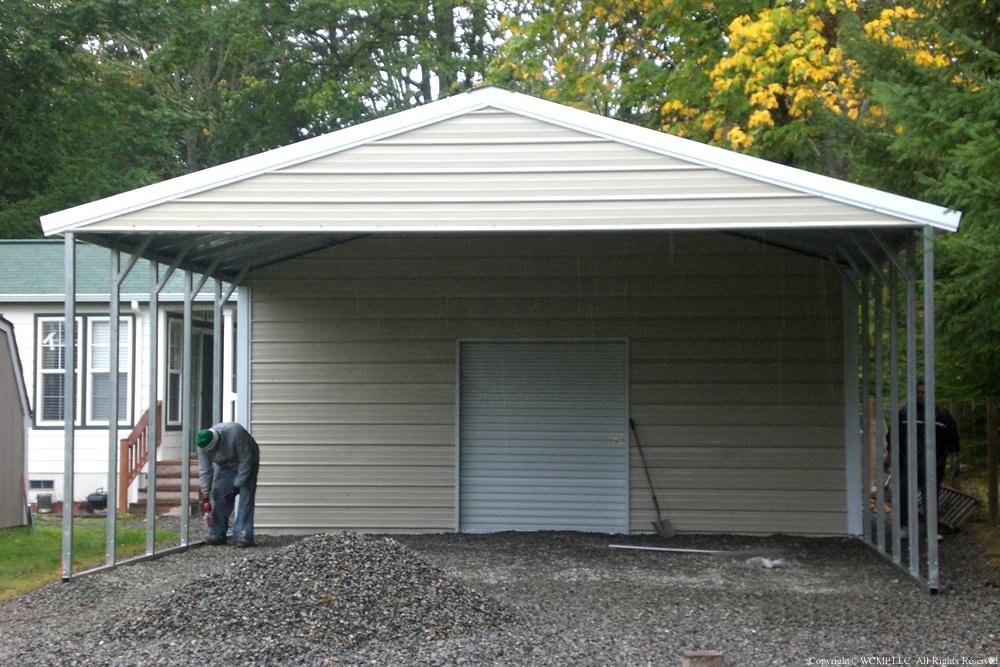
{"points": [[31, 557]]}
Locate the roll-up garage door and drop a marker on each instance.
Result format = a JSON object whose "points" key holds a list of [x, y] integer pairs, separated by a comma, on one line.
{"points": [[543, 436]]}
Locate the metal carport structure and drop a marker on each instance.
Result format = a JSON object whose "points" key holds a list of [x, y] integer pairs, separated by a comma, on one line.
{"points": [[877, 249]]}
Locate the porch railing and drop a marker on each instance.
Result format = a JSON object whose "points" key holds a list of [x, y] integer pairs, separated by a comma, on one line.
{"points": [[133, 453]]}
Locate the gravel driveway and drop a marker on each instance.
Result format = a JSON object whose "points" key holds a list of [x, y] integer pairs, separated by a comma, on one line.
{"points": [[512, 599]]}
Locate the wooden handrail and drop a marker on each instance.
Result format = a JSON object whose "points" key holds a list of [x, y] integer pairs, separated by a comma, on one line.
{"points": [[133, 453]]}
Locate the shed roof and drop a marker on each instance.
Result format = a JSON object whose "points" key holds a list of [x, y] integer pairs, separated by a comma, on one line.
{"points": [[490, 160]]}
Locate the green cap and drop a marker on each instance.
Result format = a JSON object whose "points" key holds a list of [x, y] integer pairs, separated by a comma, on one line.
{"points": [[206, 438]]}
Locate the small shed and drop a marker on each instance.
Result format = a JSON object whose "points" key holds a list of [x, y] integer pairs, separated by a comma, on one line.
{"points": [[448, 316], [15, 415]]}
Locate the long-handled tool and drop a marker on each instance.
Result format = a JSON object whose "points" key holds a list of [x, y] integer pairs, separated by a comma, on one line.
{"points": [[662, 527]]}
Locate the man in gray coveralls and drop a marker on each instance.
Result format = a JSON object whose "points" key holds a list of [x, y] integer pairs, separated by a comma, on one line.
{"points": [[228, 462]]}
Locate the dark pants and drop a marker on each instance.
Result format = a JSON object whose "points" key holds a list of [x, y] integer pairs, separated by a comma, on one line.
{"points": [[904, 486], [224, 501]]}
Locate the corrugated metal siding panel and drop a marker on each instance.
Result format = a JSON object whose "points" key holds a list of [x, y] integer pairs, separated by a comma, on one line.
{"points": [[560, 210], [465, 186], [735, 371], [488, 169], [539, 423]]}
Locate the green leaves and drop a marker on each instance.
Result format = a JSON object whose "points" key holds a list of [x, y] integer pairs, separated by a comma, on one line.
{"points": [[100, 96], [944, 147]]}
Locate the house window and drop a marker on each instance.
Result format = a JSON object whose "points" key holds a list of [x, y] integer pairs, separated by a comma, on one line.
{"points": [[175, 359], [41, 484], [94, 332], [51, 355], [200, 383], [99, 370]]}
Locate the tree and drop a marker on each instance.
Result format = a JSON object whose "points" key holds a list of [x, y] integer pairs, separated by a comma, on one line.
{"points": [[779, 82], [339, 62], [601, 56], [769, 78], [934, 70], [62, 117], [100, 96]]}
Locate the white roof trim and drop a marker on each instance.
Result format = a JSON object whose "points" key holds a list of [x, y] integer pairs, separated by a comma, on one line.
{"points": [[904, 208]]}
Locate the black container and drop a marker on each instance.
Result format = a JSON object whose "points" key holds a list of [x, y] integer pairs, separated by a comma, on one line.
{"points": [[98, 499]]}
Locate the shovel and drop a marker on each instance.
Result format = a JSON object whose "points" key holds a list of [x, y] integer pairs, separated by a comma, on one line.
{"points": [[662, 527]]}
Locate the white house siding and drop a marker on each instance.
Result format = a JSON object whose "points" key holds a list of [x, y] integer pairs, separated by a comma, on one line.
{"points": [[46, 444], [46, 449], [736, 372]]}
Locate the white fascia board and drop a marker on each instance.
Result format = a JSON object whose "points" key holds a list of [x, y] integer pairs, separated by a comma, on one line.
{"points": [[517, 103], [728, 161], [71, 219]]}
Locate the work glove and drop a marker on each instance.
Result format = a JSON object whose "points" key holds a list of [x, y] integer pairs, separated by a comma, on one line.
{"points": [[955, 470], [203, 498]]}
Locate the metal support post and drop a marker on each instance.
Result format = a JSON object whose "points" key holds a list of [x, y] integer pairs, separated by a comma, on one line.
{"points": [[152, 433], [69, 403], [879, 441], [911, 412], [930, 428], [114, 313], [897, 545], [187, 409]]}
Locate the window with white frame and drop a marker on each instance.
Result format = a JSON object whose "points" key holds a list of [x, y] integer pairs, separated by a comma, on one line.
{"points": [[99, 370], [95, 332], [175, 358], [51, 376]]}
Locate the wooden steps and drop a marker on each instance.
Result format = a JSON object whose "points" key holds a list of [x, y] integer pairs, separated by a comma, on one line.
{"points": [[168, 489]]}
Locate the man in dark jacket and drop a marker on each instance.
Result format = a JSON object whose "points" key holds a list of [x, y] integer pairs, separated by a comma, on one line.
{"points": [[947, 446], [228, 462]]}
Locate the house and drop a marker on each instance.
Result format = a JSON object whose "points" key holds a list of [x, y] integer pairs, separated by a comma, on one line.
{"points": [[32, 296], [447, 317], [15, 415]]}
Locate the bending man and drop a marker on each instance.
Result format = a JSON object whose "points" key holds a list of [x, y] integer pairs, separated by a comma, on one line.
{"points": [[228, 462]]}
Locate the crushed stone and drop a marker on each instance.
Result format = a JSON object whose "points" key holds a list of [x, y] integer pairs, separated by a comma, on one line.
{"points": [[549, 598]]}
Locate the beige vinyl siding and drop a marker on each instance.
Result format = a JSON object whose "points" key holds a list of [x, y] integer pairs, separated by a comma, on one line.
{"points": [[736, 372], [486, 169]]}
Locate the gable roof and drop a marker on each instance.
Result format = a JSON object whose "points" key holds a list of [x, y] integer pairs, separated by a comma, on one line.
{"points": [[488, 160]]}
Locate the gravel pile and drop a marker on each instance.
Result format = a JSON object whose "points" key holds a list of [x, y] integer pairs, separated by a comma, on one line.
{"points": [[323, 595], [512, 599]]}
